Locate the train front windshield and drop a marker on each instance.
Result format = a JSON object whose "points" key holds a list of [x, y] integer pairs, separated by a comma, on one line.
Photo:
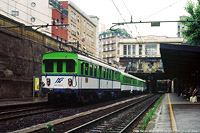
{"points": [[60, 66]]}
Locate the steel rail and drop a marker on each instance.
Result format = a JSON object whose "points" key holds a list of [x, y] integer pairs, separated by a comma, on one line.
{"points": [[125, 129], [105, 116]]}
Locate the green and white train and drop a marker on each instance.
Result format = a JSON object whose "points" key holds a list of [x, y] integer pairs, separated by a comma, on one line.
{"points": [[67, 76]]}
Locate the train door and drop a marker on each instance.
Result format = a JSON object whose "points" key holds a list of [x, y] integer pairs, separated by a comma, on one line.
{"points": [[82, 73]]}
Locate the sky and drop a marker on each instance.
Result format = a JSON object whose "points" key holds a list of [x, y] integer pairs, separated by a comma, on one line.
{"points": [[114, 11]]}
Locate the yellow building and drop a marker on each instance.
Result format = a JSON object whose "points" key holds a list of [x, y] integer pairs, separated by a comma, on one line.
{"points": [[81, 28]]}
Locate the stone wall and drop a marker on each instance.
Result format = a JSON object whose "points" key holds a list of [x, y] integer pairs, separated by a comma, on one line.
{"points": [[21, 53]]}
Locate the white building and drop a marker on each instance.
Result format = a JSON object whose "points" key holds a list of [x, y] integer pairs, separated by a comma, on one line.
{"points": [[28, 12], [180, 27]]}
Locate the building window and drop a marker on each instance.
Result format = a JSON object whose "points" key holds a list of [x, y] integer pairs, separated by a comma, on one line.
{"points": [[129, 49], [140, 49], [151, 49], [73, 17], [33, 4], [57, 20], [161, 64], [32, 19], [57, 37], [61, 25], [65, 27], [84, 23], [125, 50], [15, 13], [133, 49]]}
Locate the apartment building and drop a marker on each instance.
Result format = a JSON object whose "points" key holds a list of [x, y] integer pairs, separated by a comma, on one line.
{"points": [[60, 18], [82, 29], [109, 47]]}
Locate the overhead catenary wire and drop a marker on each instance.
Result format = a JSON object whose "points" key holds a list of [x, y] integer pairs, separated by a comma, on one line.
{"points": [[135, 25], [162, 10], [121, 15]]}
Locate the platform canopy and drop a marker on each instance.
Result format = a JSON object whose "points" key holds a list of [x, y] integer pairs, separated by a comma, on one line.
{"points": [[180, 61]]}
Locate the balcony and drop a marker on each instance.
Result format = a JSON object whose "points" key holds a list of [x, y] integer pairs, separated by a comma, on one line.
{"points": [[55, 4], [64, 12]]}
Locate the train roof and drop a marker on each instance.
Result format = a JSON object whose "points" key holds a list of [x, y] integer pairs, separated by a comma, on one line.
{"points": [[94, 61], [131, 76]]}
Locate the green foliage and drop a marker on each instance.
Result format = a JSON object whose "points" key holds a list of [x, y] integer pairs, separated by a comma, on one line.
{"points": [[150, 114], [49, 128], [121, 32], [192, 32]]}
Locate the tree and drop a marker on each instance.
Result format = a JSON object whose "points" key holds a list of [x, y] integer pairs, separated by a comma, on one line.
{"points": [[192, 32]]}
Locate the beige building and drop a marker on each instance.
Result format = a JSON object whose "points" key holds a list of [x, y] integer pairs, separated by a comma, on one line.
{"points": [[82, 28], [109, 47], [142, 54]]}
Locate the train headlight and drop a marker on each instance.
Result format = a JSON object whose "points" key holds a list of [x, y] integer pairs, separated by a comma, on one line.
{"points": [[48, 81], [70, 82]]}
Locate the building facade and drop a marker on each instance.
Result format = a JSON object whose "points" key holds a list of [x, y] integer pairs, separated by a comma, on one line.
{"points": [[82, 29], [180, 27], [28, 12], [109, 47], [142, 54], [60, 17]]}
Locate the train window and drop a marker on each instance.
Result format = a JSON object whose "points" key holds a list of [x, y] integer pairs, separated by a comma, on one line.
{"points": [[118, 76], [48, 65], [95, 71], [104, 73], [115, 75], [70, 65], [59, 65], [100, 69], [86, 68], [82, 68], [110, 74], [91, 70], [107, 74]]}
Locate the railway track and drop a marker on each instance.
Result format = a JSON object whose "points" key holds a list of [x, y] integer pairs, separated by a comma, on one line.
{"points": [[74, 117], [22, 110], [115, 117], [119, 121]]}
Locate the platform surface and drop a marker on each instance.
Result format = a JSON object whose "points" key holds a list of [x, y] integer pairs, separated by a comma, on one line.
{"points": [[186, 115]]}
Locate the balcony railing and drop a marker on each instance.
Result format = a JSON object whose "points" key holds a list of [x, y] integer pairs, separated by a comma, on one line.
{"points": [[55, 4], [64, 12]]}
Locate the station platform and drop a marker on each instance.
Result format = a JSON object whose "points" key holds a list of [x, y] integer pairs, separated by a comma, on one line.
{"points": [[176, 114], [16, 101]]}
